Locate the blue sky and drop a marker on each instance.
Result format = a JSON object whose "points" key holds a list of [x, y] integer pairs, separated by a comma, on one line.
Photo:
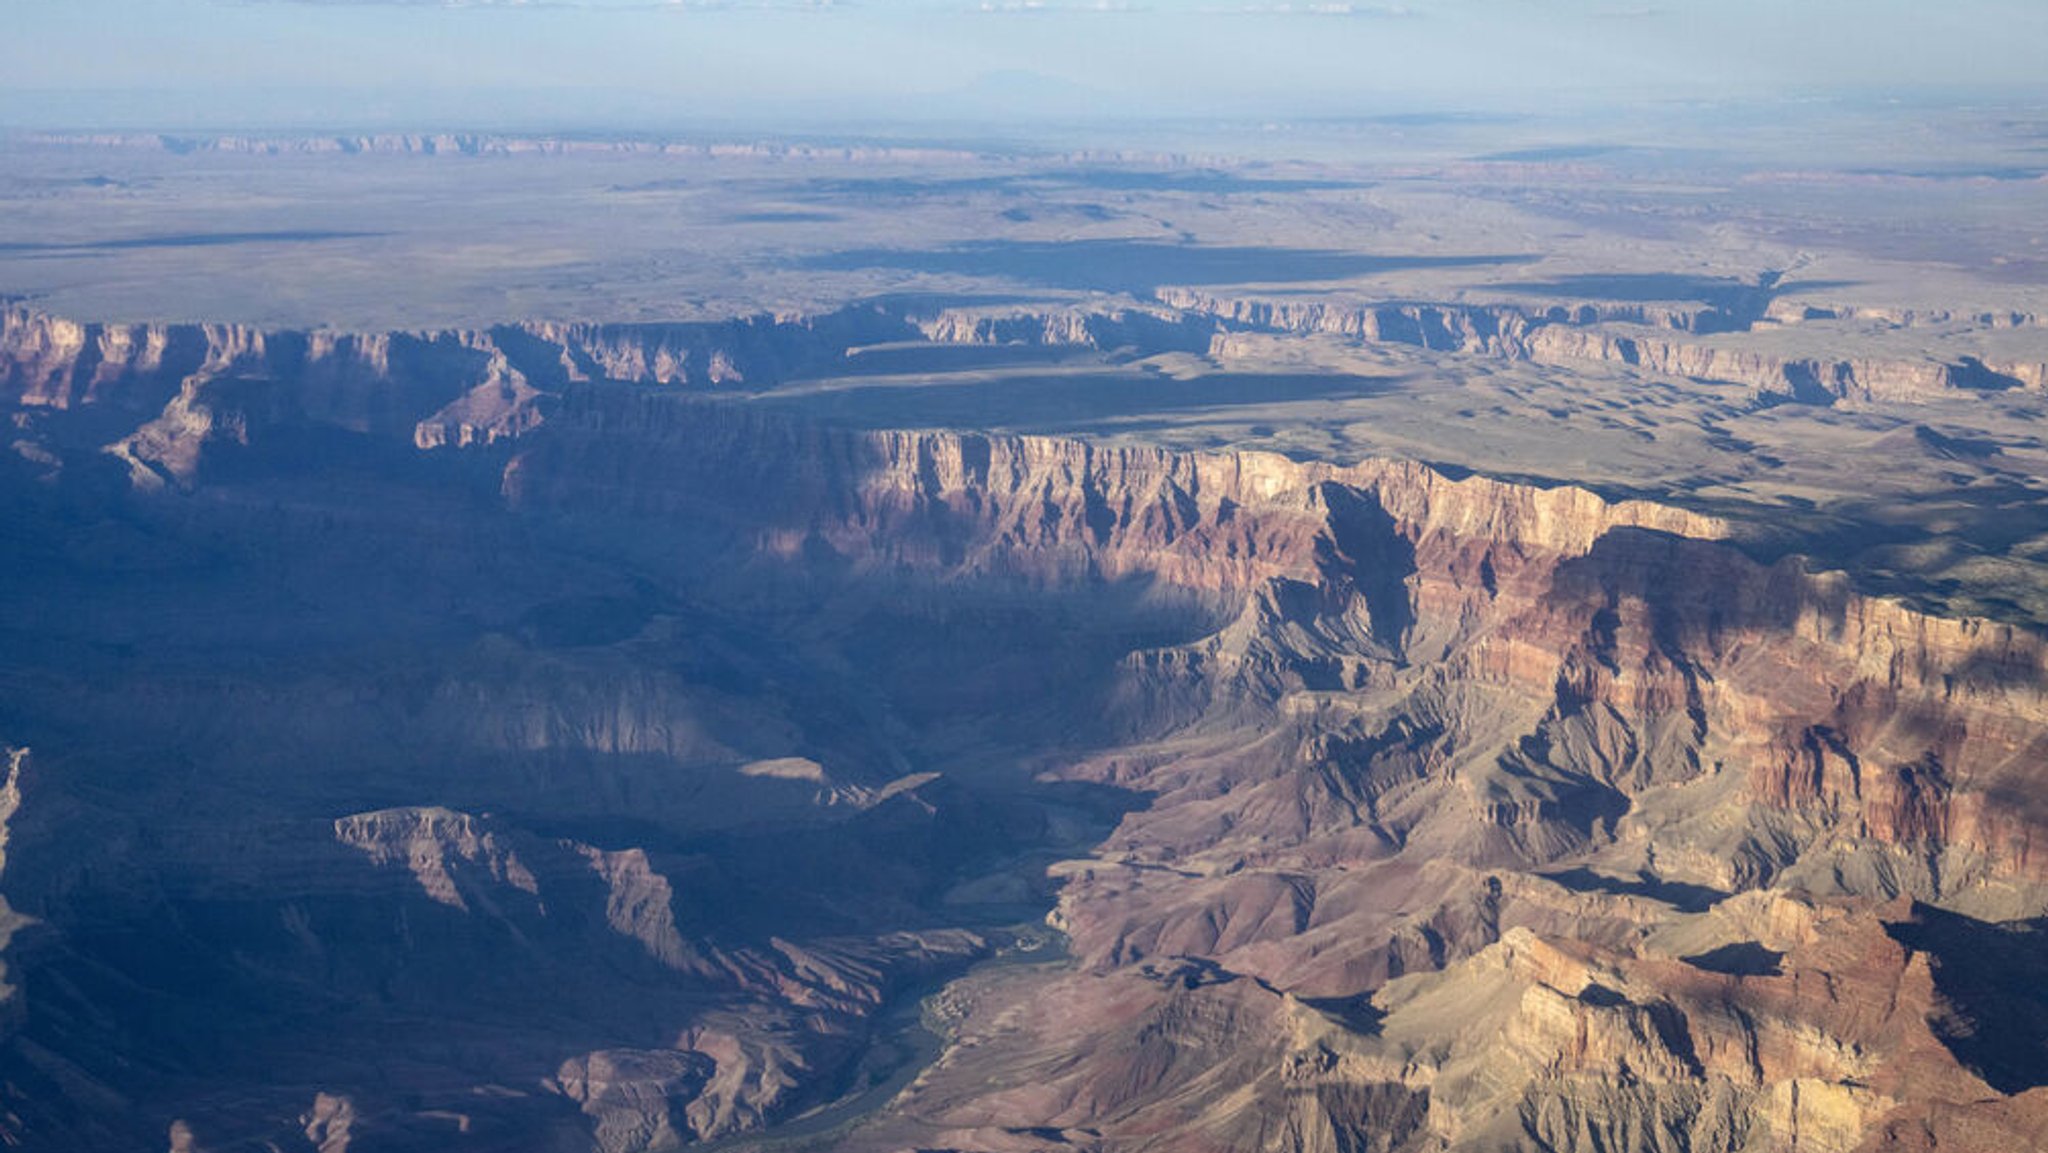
{"points": [[398, 61]]}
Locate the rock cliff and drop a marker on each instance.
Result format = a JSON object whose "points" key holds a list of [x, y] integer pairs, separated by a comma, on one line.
{"points": [[1642, 336], [209, 384], [1411, 681], [650, 743]]}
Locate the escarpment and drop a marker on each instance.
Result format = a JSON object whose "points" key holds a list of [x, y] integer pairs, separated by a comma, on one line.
{"points": [[969, 504], [1799, 378], [213, 384], [226, 384], [1497, 329], [1672, 340], [1598, 650], [1147, 329]]}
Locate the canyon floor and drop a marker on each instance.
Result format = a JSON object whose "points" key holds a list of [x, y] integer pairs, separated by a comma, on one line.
{"points": [[1490, 638]]}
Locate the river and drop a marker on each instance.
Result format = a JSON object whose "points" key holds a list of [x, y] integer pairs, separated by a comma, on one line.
{"points": [[903, 1046]]}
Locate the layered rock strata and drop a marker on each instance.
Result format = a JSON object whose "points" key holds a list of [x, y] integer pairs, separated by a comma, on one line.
{"points": [[1465, 814]]}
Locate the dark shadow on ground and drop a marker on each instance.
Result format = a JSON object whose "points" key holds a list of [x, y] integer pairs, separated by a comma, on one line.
{"points": [[1679, 895], [187, 240], [1734, 304], [1554, 155], [1135, 266], [1065, 403], [1994, 980], [1738, 959], [1356, 1012], [1205, 181], [1643, 288], [937, 359]]}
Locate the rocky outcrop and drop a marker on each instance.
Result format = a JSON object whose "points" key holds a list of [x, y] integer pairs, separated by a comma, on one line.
{"points": [[1146, 330], [329, 1123], [11, 922], [1809, 379], [1532, 1042], [635, 1096], [1569, 1048], [1495, 329], [1635, 335], [503, 407], [789, 1011], [1794, 310]]}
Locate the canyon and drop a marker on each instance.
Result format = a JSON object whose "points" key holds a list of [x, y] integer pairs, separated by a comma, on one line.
{"points": [[1424, 760], [1087, 675]]}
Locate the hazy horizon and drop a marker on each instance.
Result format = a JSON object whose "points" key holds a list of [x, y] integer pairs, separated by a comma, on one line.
{"points": [[634, 65]]}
